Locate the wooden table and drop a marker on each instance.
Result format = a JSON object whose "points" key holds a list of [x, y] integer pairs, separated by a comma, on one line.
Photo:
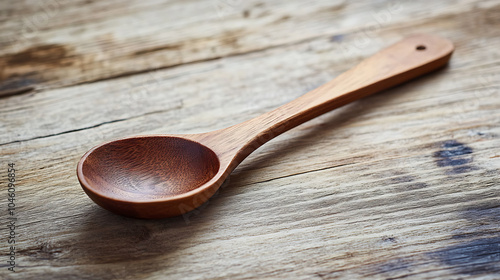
{"points": [[402, 184]]}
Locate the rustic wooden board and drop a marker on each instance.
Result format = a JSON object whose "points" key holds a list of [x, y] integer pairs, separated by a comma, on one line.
{"points": [[402, 184]]}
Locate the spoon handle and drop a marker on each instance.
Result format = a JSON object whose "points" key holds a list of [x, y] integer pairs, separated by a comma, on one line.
{"points": [[405, 60]]}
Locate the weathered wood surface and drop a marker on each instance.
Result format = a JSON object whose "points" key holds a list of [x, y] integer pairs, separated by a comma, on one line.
{"points": [[402, 184]]}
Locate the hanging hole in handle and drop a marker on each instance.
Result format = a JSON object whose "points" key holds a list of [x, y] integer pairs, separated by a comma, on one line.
{"points": [[420, 47]]}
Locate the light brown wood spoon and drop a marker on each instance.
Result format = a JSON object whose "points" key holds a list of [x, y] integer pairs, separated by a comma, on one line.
{"points": [[159, 176]]}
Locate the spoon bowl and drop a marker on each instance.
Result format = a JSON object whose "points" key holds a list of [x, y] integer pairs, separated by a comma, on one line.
{"points": [[142, 169], [160, 176]]}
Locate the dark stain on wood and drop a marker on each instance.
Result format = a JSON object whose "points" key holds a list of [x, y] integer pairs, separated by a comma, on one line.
{"points": [[52, 54], [489, 213], [246, 13], [389, 239], [17, 85], [483, 222], [455, 155], [477, 250], [20, 72], [337, 38], [475, 257], [394, 266]]}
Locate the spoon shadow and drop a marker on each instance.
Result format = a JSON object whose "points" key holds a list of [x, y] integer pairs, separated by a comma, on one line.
{"points": [[109, 239]]}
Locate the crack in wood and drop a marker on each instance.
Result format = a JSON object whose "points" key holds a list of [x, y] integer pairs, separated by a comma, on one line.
{"points": [[92, 126]]}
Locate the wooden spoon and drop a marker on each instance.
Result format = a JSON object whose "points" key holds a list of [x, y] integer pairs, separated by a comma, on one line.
{"points": [[161, 176]]}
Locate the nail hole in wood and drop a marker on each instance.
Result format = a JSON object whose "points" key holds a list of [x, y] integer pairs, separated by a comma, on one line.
{"points": [[420, 48]]}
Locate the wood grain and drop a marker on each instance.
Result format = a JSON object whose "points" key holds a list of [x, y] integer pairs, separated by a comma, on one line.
{"points": [[402, 184]]}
